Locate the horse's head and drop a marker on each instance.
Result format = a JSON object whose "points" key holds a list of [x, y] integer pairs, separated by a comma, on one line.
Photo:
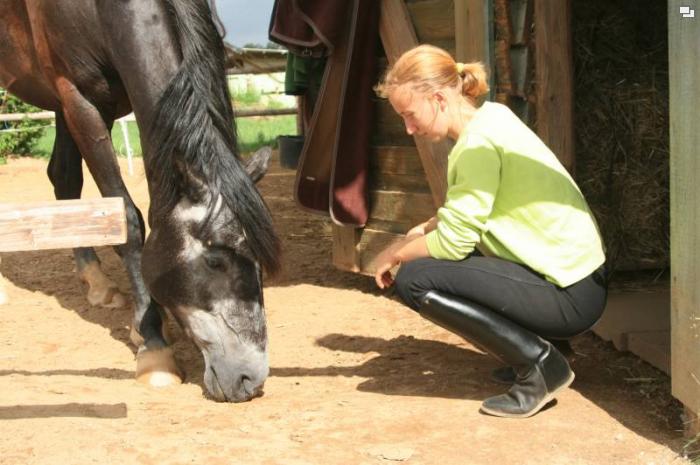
{"points": [[203, 261]]}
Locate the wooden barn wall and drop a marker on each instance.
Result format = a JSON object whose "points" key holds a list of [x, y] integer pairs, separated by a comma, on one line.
{"points": [[620, 118], [399, 193], [685, 208]]}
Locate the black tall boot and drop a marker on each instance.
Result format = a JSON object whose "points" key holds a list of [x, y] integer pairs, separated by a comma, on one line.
{"points": [[541, 369], [507, 375]]}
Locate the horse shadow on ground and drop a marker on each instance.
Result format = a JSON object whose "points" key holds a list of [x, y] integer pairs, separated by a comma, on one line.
{"points": [[52, 273], [407, 366]]}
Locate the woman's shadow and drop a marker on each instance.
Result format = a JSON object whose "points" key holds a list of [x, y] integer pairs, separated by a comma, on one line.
{"points": [[407, 366]]}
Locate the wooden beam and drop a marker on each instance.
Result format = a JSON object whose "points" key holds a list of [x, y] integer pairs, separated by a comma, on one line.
{"points": [[472, 31], [346, 252], [473, 35], [554, 77], [684, 105], [62, 224], [372, 244], [398, 35]]}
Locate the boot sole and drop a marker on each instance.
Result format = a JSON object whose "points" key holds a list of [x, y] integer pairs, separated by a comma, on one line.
{"points": [[545, 400]]}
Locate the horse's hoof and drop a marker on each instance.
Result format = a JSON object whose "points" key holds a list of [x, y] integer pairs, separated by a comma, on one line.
{"points": [[109, 298], [157, 368], [101, 290]]}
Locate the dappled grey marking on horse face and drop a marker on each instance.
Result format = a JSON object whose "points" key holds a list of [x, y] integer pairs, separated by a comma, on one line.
{"points": [[228, 335]]}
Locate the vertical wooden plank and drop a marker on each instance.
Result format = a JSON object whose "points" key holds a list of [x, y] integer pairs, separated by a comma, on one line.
{"points": [[301, 124], [396, 29], [554, 75], [346, 252], [471, 29], [684, 80], [473, 33], [398, 35]]}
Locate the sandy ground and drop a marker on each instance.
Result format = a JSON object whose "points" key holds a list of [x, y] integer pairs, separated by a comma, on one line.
{"points": [[355, 377]]}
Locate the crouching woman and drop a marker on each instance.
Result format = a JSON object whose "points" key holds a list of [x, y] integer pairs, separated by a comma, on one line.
{"points": [[513, 259]]}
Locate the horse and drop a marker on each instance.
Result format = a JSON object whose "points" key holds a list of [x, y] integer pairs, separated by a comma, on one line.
{"points": [[211, 234]]}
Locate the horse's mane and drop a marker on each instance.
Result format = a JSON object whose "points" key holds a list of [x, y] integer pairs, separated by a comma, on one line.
{"points": [[193, 126]]}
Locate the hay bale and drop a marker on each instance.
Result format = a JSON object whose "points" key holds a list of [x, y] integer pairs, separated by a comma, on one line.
{"points": [[621, 125]]}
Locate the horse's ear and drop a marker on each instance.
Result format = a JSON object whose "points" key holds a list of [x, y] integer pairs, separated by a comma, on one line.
{"points": [[258, 163], [191, 186]]}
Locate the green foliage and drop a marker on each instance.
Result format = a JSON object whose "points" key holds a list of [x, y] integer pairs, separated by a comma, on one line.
{"points": [[247, 98], [257, 132], [17, 137]]}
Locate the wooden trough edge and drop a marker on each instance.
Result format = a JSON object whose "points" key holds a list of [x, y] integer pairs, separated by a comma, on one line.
{"points": [[60, 224]]}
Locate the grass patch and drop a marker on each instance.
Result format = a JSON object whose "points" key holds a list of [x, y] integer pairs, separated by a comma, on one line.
{"points": [[253, 133], [259, 131]]}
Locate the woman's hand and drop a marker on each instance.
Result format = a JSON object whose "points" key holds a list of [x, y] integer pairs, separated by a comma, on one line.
{"points": [[385, 262], [402, 251]]}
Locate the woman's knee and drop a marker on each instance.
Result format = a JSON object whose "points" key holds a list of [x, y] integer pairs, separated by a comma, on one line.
{"points": [[408, 286]]}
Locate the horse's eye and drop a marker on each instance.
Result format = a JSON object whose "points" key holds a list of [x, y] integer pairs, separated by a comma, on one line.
{"points": [[215, 262]]}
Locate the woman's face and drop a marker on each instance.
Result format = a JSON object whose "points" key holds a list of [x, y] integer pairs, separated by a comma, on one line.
{"points": [[422, 114]]}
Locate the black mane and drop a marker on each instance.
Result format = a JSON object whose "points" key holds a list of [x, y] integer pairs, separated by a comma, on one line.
{"points": [[194, 127]]}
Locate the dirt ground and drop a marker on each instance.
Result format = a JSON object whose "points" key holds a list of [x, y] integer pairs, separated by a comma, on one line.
{"points": [[355, 378]]}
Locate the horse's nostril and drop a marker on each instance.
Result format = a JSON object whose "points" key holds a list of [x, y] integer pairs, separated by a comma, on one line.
{"points": [[250, 387], [247, 383]]}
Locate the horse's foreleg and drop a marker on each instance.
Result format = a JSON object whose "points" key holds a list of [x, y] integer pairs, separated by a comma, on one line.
{"points": [[91, 135], [66, 174]]}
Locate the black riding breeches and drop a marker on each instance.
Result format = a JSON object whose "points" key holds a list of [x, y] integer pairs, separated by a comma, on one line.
{"points": [[515, 291]]}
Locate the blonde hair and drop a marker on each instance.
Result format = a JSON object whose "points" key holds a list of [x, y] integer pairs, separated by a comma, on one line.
{"points": [[427, 68]]}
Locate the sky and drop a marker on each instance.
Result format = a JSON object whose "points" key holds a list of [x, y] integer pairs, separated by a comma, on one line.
{"points": [[246, 21]]}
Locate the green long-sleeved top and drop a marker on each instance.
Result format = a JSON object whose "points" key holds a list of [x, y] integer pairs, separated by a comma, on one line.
{"points": [[509, 195]]}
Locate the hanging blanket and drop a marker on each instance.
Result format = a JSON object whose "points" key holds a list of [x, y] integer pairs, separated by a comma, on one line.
{"points": [[332, 171]]}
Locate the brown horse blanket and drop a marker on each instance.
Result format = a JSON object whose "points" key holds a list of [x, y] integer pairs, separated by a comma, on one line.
{"points": [[332, 173]]}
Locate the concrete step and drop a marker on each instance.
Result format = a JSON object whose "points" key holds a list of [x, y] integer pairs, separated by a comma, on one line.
{"points": [[640, 322]]}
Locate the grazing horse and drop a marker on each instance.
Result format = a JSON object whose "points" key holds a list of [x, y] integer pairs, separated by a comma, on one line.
{"points": [[93, 61]]}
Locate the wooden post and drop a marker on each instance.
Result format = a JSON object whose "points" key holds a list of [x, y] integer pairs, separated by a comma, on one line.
{"points": [[554, 75], [346, 251], [398, 35], [62, 224], [684, 90], [473, 33]]}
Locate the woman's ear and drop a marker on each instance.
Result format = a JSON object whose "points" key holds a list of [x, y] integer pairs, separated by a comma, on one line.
{"points": [[441, 100]]}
